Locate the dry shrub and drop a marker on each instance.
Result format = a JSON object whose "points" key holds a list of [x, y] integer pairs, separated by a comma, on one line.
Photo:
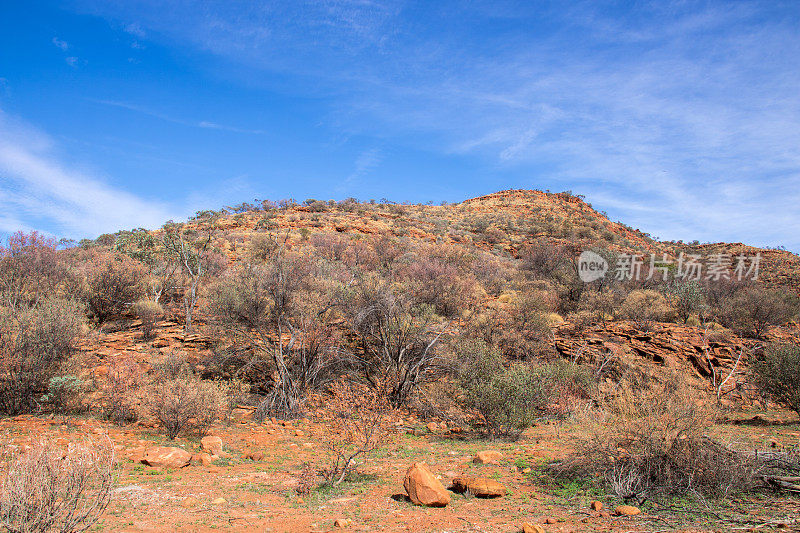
{"points": [[182, 402], [48, 488], [115, 282], [121, 388], [439, 282], [148, 312], [306, 480], [650, 443], [601, 304], [753, 309], [358, 426], [31, 269], [645, 306]]}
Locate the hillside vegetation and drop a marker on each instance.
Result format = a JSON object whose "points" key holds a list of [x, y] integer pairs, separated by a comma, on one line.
{"points": [[362, 316]]}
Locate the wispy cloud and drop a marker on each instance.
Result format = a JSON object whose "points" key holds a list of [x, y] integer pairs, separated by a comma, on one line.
{"points": [[135, 30], [365, 163], [680, 117], [63, 45], [38, 189], [168, 118]]}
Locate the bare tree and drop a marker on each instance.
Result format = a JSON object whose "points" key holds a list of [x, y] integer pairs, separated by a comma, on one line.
{"points": [[274, 309], [192, 249], [162, 264], [397, 339], [719, 379]]}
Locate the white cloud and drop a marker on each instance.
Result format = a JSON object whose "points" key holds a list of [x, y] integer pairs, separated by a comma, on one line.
{"points": [[37, 189], [365, 163], [205, 124], [135, 30], [63, 45], [682, 118]]}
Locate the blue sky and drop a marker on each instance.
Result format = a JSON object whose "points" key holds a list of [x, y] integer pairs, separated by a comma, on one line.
{"points": [[680, 118]]}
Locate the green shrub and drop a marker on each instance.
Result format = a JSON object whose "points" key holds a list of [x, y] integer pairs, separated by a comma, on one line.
{"points": [[688, 298], [778, 375], [35, 342], [64, 394], [510, 399]]}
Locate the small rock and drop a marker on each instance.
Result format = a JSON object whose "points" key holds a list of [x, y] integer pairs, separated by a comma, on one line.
{"points": [[597, 505], [487, 457], [165, 457], [626, 510], [211, 444], [189, 502], [432, 427], [527, 527], [423, 488], [550, 521], [479, 486], [218, 501], [202, 458], [298, 433], [257, 455], [342, 522]]}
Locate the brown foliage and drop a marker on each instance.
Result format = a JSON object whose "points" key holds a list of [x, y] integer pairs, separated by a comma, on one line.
{"points": [[31, 269], [121, 388]]}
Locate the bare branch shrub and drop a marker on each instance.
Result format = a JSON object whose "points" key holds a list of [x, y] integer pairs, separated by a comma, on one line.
{"points": [[437, 281], [753, 309], [358, 426], [183, 402], [121, 387], [278, 310], [777, 375], [48, 488], [397, 340], [651, 443], [31, 269]]}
